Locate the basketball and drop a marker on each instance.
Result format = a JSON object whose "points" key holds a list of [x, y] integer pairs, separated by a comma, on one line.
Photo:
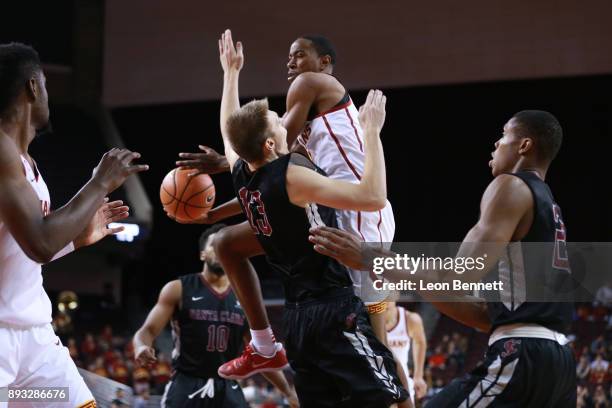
{"points": [[186, 198]]}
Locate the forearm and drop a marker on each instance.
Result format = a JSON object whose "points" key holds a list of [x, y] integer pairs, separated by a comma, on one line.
{"points": [[373, 182], [418, 355], [471, 314], [226, 210], [144, 337], [61, 227], [230, 101]]}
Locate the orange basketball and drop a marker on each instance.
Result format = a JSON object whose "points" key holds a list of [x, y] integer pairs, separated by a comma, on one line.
{"points": [[187, 198]]}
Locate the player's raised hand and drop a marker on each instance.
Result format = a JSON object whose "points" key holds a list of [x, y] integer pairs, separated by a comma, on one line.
{"points": [[231, 56], [208, 161], [372, 113], [97, 227], [145, 356], [116, 165]]}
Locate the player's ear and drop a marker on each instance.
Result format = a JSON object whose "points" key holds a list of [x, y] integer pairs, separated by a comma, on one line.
{"points": [[526, 145], [269, 144], [32, 89], [325, 62]]}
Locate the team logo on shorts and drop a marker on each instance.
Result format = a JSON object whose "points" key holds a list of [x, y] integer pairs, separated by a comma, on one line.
{"points": [[349, 322], [510, 347]]}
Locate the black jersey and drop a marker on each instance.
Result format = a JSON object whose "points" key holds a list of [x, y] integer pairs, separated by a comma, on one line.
{"points": [[535, 271], [207, 329], [282, 229]]}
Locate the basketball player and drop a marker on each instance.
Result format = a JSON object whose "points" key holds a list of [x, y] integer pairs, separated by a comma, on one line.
{"points": [[320, 109], [331, 346], [528, 362], [405, 331], [30, 234], [208, 327]]}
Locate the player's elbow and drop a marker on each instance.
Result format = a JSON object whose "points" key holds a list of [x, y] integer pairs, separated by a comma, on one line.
{"points": [[39, 252], [375, 203]]}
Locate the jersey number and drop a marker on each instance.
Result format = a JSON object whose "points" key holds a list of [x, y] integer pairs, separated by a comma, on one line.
{"points": [[217, 338], [255, 211]]}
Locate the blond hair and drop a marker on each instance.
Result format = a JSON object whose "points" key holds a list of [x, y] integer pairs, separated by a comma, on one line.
{"points": [[248, 130]]}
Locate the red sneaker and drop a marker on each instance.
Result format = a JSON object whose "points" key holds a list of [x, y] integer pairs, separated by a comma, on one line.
{"points": [[251, 362]]}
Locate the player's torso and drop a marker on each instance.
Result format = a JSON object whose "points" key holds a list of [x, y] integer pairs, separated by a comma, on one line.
{"points": [[208, 328], [23, 301], [282, 229], [398, 338], [334, 141], [535, 271]]}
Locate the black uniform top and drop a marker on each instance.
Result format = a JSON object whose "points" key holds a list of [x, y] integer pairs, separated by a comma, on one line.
{"points": [[282, 229], [207, 329], [536, 271]]}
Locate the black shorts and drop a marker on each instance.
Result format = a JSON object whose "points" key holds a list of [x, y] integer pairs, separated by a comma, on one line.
{"points": [[517, 373], [337, 359], [185, 391]]}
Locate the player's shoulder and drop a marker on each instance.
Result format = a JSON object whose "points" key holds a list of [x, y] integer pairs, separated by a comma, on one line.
{"points": [[508, 185], [507, 190], [413, 317], [314, 80], [11, 158], [171, 292]]}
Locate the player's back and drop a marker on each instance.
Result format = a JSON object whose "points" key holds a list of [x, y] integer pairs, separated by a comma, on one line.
{"points": [[207, 329], [23, 301], [536, 268], [283, 228]]}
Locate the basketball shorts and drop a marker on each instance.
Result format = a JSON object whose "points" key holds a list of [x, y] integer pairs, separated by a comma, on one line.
{"points": [[337, 359], [185, 391], [35, 357], [517, 373]]}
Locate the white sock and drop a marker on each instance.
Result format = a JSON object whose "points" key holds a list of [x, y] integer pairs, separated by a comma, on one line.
{"points": [[264, 341]]}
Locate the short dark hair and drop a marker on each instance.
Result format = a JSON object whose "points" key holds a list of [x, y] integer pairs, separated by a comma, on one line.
{"points": [[544, 128], [323, 46], [208, 232], [18, 64], [248, 129]]}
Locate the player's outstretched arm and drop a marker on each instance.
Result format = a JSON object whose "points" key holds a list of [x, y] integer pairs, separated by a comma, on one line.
{"points": [[348, 249], [217, 214], [42, 237], [158, 318], [232, 59], [208, 161], [307, 186]]}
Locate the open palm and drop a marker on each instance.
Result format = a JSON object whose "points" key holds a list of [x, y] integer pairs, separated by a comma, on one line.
{"points": [[97, 227]]}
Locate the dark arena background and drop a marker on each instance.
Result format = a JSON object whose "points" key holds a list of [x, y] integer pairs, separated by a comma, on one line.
{"points": [[146, 75]]}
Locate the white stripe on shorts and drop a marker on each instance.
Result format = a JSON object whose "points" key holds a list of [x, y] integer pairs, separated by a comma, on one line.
{"points": [[361, 345], [492, 385]]}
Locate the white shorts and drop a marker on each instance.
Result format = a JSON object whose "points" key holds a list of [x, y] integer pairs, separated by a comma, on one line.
{"points": [[35, 357], [371, 227]]}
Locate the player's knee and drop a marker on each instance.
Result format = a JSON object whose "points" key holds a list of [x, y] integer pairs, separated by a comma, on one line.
{"points": [[224, 243]]}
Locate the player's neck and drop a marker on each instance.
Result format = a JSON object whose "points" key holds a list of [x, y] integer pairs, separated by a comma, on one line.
{"points": [[219, 282], [527, 163], [391, 317], [256, 165], [18, 126]]}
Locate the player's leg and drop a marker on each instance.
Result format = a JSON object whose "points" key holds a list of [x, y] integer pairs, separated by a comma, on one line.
{"points": [[362, 368], [46, 363], [233, 246]]}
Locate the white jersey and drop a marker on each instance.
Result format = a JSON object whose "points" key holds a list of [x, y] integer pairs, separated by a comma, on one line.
{"points": [[23, 301], [399, 341], [334, 142]]}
